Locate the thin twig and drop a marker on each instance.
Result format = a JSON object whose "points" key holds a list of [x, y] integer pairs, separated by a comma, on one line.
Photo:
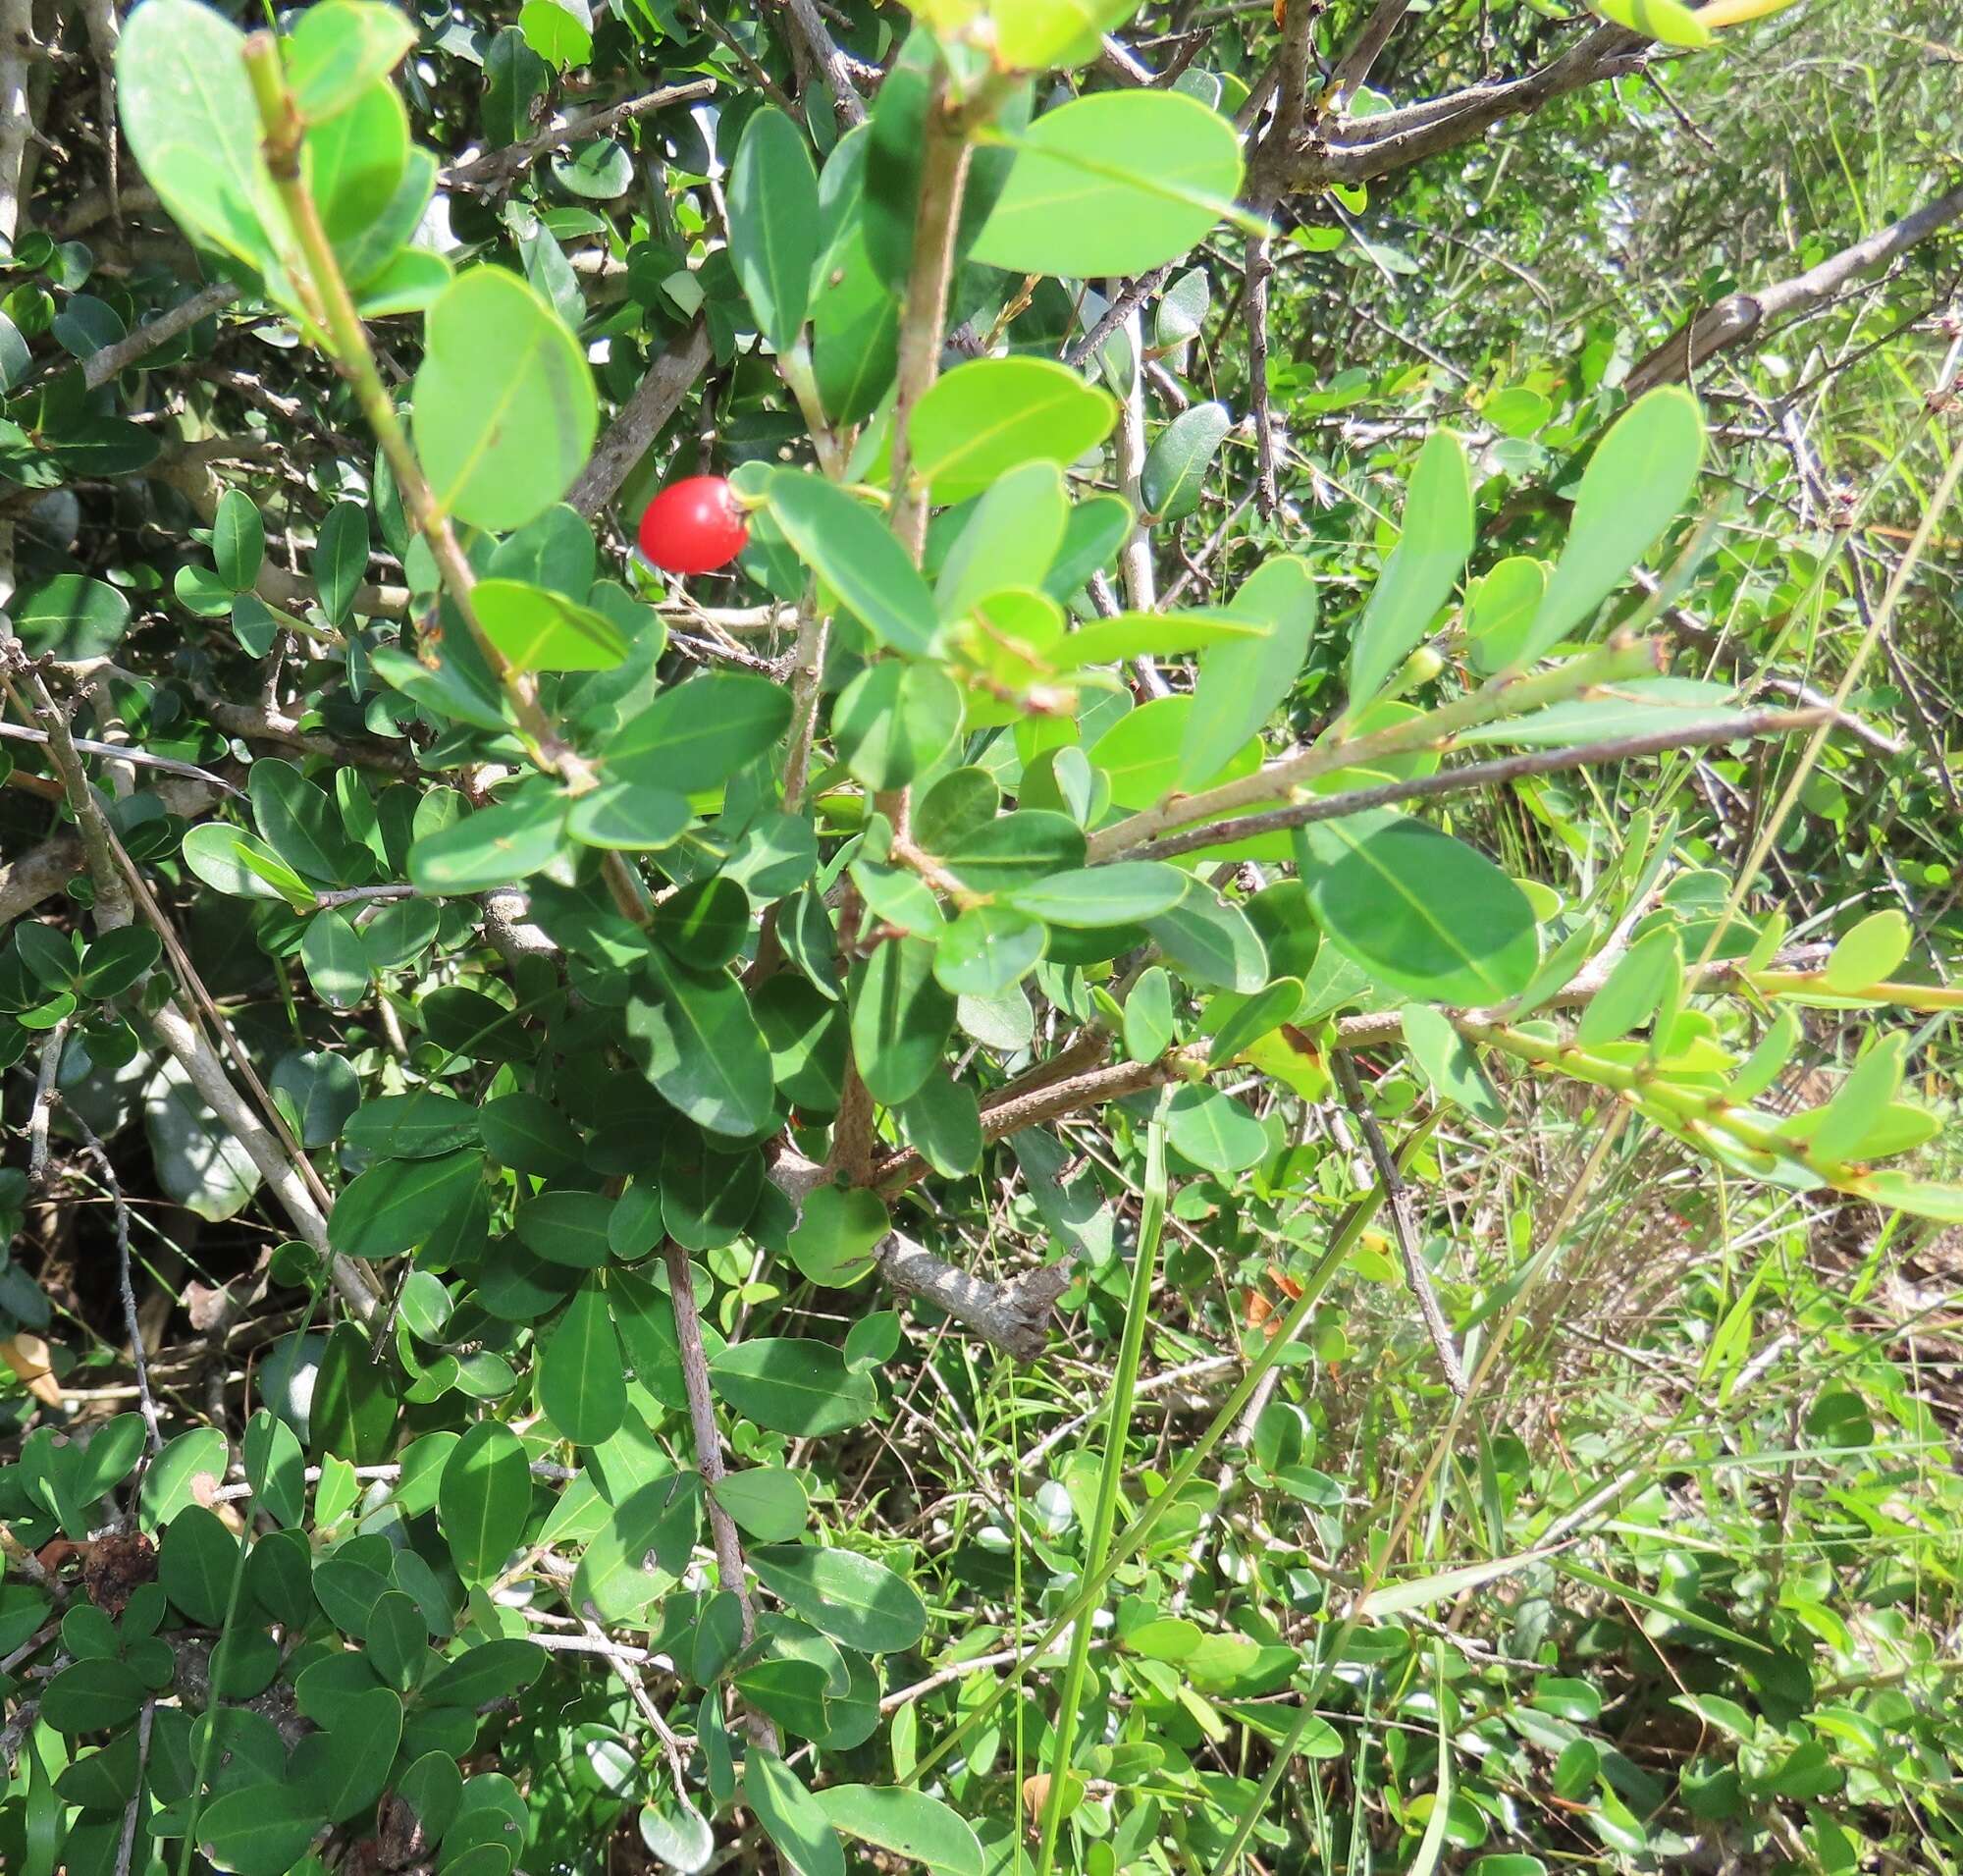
{"points": [[498, 166], [709, 1454], [1403, 1220], [45, 1096], [122, 752], [139, 1360], [1478, 774]]}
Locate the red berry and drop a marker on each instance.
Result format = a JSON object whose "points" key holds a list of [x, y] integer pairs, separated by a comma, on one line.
{"points": [[693, 526]]}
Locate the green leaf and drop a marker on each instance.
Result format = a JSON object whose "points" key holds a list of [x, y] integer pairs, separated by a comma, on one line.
{"points": [[261, 1829], [1104, 641], [1176, 466], [904, 1823], [855, 334], [1112, 184], [186, 1472], [767, 1501], [69, 616], [1122, 893], [1417, 910], [895, 720], [199, 1161], [707, 1197], [858, 1603], [630, 815], [1009, 539], [538, 630], [642, 1549], [352, 1414], [491, 1671], [1500, 607], [92, 1696], [335, 959], [1097, 523], [357, 162], [196, 1563], [987, 951], [790, 1816], [1517, 410], [1424, 565], [1242, 682], [1861, 957], [484, 1499], [900, 1018], [276, 1469], [1449, 1063], [698, 734], [560, 32], [118, 961], [677, 1838], [1211, 943], [193, 127], [237, 534], [859, 557], [774, 223], [1637, 482], [568, 1228], [344, 1768], [1215, 1131], [1141, 752], [582, 1382], [797, 1387], [696, 1038], [400, 1204], [1033, 35], [1239, 1022], [508, 841], [339, 48], [1638, 707], [838, 1233], [340, 559], [301, 824], [500, 452], [1664, 20], [990, 417], [1649, 975]]}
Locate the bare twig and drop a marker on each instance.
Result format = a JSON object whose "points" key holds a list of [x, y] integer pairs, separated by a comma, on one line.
{"points": [[1478, 774], [639, 421], [1363, 148], [1741, 316], [943, 178], [708, 1452], [122, 752], [101, 366], [839, 71], [1352, 69], [139, 1360], [496, 167], [1134, 557], [1404, 1221], [1129, 299], [42, 1111]]}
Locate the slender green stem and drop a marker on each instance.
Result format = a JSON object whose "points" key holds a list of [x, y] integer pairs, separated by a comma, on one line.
{"points": [[1622, 657], [214, 1678], [1118, 1429], [345, 338], [1135, 1535]]}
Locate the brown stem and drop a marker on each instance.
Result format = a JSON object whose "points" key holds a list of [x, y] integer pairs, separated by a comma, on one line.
{"points": [[943, 176], [1478, 774], [708, 1452]]}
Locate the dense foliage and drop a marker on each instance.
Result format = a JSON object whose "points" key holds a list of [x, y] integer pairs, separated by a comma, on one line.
{"points": [[1165, 1091]]}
